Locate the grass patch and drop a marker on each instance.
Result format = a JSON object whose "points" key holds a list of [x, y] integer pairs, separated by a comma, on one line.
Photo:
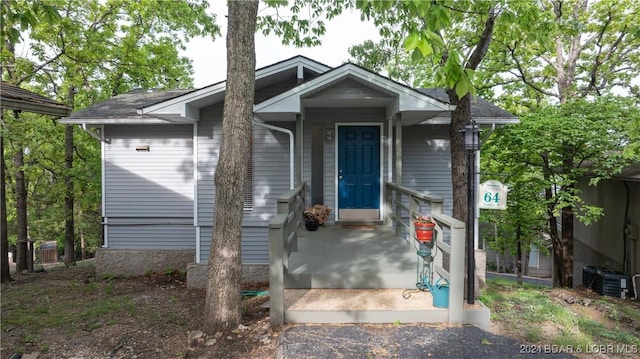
{"points": [[32, 310], [533, 312]]}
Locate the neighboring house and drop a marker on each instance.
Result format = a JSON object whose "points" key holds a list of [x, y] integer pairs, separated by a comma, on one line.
{"points": [[539, 263], [607, 243], [343, 131], [612, 242]]}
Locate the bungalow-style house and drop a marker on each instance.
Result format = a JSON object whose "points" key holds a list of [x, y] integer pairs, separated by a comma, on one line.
{"points": [[610, 244], [338, 134]]}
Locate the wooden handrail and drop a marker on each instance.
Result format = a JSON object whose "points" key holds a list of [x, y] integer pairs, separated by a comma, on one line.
{"points": [[455, 248], [283, 239]]}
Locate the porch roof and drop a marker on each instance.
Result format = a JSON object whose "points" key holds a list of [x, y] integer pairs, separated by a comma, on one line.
{"points": [[15, 98], [395, 97], [482, 111]]}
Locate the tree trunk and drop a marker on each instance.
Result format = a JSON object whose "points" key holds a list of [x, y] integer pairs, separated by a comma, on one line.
{"points": [[459, 118], [21, 210], [69, 227], [69, 223], [223, 301], [4, 235], [567, 248], [519, 254], [557, 270]]}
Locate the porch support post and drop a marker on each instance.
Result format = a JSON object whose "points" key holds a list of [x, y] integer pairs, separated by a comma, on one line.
{"points": [[398, 170], [298, 149], [456, 273], [398, 148], [276, 269]]}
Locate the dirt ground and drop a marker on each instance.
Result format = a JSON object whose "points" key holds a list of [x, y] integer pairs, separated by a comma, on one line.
{"points": [[159, 318], [152, 316]]}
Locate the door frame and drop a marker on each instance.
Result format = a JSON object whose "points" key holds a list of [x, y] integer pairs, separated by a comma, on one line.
{"points": [[381, 164]]}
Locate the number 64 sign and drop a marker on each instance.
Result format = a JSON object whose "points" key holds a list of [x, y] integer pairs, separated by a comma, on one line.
{"points": [[492, 194]]}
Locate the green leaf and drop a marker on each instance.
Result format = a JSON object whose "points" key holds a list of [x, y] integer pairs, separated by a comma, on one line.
{"points": [[411, 42], [425, 48]]}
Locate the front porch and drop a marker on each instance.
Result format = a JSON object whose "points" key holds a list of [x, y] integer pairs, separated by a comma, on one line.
{"points": [[368, 273]]}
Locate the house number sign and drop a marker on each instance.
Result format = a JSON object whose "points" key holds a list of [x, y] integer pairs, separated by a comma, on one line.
{"points": [[492, 194]]}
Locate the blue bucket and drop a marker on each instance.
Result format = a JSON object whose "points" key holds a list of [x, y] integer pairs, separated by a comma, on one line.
{"points": [[440, 293]]}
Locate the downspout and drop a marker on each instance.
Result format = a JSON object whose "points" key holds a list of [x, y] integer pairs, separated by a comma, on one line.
{"points": [[93, 134], [291, 146], [105, 220], [196, 214]]}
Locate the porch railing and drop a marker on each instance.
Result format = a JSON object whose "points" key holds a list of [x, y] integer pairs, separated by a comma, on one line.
{"points": [[403, 204], [283, 239]]}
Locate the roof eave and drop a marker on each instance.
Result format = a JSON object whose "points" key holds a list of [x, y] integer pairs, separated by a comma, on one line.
{"points": [[117, 121], [44, 109], [441, 120]]}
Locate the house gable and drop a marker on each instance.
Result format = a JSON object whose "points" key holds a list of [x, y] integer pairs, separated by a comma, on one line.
{"points": [[345, 82], [272, 78], [348, 92]]}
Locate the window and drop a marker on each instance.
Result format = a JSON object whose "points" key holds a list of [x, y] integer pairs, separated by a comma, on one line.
{"points": [[248, 186]]}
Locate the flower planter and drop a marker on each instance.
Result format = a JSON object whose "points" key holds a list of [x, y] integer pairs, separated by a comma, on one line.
{"points": [[424, 231], [311, 225]]}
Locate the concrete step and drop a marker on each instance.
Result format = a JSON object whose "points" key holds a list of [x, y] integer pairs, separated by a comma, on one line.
{"points": [[361, 306], [373, 306]]}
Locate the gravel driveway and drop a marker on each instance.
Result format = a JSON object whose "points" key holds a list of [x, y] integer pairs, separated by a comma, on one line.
{"points": [[402, 341]]}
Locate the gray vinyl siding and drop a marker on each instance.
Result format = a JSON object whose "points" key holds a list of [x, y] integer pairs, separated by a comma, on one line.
{"points": [[270, 162], [151, 237], [270, 180], [426, 161], [255, 245], [208, 140], [149, 194]]}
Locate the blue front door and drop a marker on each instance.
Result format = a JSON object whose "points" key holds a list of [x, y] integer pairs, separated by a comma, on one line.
{"points": [[359, 167]]}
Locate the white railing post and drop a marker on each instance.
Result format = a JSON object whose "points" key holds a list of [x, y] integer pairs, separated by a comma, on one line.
{"points": [[276, 269], [283, 239], [456, 273]]}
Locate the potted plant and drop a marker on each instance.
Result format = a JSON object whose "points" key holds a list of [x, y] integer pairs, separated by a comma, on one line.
{"points": [[316, 215], [423, 227], [311, 221]]}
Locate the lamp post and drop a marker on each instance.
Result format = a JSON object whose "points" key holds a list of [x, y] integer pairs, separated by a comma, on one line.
{"points": [[471, 145]]}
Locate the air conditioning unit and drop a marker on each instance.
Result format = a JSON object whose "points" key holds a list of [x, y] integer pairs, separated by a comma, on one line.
{"points": [[613, 284]]}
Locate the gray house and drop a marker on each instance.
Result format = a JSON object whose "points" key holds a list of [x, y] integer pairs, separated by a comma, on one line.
{"points": [[344, 132]]}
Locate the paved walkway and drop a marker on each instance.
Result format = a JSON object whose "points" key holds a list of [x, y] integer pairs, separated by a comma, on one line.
{"points": [[402, 341]]}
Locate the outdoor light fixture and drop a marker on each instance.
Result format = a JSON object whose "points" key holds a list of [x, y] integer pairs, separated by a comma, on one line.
{"points": [[471, 145], [144, 148], [328, 135], [471, 137]]}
